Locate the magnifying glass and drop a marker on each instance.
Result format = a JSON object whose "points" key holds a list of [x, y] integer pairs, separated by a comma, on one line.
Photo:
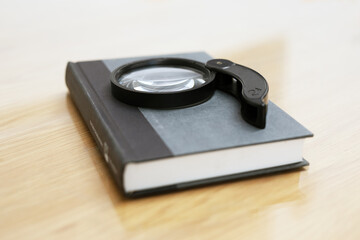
{"points": [[175, 83]]}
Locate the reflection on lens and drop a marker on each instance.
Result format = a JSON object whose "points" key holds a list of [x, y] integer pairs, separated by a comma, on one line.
{"points": [[161, 79]]}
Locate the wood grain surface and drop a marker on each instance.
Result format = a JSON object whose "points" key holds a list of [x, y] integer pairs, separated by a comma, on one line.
{"points": [[54, 183]]}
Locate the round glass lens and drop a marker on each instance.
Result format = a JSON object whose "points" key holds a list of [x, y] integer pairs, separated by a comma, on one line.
{"points": [[162, 79]]}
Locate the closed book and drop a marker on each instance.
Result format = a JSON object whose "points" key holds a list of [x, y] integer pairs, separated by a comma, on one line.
{"points": [[154, 150]]}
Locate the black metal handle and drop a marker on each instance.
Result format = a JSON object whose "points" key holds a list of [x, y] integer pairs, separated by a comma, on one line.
{"points": [[247, 85]]}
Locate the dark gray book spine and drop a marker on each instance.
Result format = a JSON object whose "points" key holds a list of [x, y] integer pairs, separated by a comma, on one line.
{"points": [[96, 119]]}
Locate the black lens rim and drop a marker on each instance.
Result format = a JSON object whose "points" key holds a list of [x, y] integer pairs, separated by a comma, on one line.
{"points": [[178, 99]]}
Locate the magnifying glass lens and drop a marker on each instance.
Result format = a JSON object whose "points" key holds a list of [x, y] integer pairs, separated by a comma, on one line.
{"points": [[162, 79]]}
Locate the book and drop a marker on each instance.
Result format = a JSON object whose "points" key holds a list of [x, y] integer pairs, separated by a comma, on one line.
{"points": [[151, 151]]}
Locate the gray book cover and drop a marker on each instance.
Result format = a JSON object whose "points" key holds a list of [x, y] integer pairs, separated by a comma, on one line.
{"points": [[130, 134]]}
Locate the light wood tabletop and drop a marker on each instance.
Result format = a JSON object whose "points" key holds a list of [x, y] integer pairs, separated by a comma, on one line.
{"points": [[54, 184]]}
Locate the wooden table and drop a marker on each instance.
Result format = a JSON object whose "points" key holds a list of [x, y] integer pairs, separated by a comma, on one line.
{"points": [[55, 185]]}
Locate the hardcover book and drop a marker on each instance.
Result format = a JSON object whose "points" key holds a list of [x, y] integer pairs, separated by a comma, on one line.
{"points": [[151, 151]]}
